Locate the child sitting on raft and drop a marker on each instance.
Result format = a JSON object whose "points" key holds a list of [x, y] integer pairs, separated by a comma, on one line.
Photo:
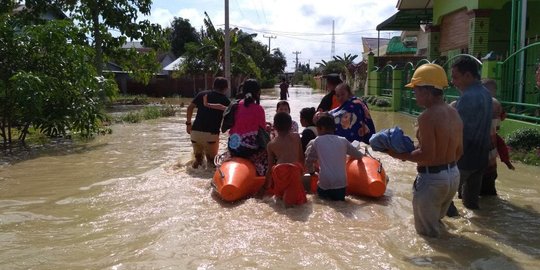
{"points": [[331, 152], [285, 158], [310, 130], [283, 106]]}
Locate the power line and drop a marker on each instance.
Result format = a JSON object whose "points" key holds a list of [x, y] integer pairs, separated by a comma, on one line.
{"points": [[276, 32]]}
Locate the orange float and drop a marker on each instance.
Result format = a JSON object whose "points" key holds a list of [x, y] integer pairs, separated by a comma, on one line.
{"points": [[236, 179], [366, 178]]}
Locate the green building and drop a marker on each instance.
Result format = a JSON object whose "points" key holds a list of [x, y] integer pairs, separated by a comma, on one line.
{"points": [[500, 34]]}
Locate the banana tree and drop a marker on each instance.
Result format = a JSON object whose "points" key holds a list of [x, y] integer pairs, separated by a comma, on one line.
{"points": [[210, 53]]}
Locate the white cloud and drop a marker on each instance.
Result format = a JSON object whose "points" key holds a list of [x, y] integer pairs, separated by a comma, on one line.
{"points": [[299, 25]]}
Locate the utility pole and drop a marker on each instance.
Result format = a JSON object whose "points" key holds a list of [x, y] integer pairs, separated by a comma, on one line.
{"points": [[296, 61], [269, 37], [227, 49]]}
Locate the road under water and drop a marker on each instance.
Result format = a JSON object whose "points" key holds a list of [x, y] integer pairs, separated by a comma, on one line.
{"points": [[131, 201]]}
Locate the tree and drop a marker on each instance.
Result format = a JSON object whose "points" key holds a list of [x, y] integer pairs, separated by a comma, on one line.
{"points": [[47, 81], [208, 55], [346, 61], [181, 33], [99, 17]]}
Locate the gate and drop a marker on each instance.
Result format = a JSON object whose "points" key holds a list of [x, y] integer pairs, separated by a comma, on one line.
{"points": [[386, 78]]}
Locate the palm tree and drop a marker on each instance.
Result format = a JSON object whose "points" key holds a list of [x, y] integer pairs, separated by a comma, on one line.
{"points": [[208, 57], [346, 62]]}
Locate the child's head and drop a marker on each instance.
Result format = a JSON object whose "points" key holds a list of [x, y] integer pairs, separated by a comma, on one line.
{"points": [[490, 85], [306, 117], [282, 122], [283, 106], [325, 124]]}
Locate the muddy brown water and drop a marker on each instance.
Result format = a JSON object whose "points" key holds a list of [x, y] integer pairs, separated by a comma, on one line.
{"points": [[130, 201]]}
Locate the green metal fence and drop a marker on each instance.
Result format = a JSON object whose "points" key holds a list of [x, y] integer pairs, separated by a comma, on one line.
{"points": [[386, 77], [518, 92]]}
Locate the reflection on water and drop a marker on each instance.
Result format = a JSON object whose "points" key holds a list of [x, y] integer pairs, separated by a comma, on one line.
{"points": [[130, 201]]}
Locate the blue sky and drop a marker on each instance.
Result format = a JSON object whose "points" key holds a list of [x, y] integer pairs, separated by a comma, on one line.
{"points": [[298, 25]]}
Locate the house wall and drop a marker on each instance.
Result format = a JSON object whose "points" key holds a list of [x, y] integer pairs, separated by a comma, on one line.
{"points": [[499, 30], [533, 27], [454, 31]]}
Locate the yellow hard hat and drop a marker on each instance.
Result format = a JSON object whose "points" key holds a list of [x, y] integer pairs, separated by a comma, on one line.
{"points": [[429, 75]]}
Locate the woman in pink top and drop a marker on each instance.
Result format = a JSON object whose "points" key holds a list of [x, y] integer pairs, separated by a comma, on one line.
{"points": [[249, 118]]}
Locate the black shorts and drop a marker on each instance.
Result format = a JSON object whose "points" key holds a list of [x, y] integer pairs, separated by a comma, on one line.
{"points": [[332, 194]]}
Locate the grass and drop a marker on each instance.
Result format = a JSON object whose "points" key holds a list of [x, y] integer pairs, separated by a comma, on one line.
{"points": [[148, 113], [526, 157]]}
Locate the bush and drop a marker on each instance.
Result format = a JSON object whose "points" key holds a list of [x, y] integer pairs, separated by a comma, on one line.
{"points": [[151, 112], [382, 103], [132, 117], [167, 111], [524, 139], [268, 83]]}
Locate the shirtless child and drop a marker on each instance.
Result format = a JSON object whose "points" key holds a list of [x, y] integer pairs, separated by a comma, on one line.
{"points": [[285, 152]]}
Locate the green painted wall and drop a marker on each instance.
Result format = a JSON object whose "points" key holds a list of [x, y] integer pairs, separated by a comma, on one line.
{"points": [[533, 10], [499, 30], [443, 7]]}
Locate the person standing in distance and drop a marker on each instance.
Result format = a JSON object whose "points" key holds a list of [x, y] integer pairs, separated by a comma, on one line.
{"points": [[439, 147], [283, 90], [205, 129], [330, 101]]}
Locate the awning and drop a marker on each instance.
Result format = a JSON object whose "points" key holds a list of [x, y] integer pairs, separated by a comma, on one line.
{"points": [[407, 20]]}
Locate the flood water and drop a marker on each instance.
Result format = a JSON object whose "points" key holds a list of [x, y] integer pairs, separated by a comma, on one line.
{"points": [[130, 201]]}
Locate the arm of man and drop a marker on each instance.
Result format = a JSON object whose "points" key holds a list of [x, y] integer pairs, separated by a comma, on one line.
{"points": [[353, 152], [189, 114], [311, 157], [300, 151], [271, 161], [425, 152], [215, 106]]}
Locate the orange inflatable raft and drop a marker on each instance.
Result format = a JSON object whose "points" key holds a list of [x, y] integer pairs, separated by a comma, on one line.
{"points": [[366, 178], [236, 179]]}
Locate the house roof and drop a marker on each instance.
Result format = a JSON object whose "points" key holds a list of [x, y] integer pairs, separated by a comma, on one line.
{"points": [[408, 19], [51, 13], [414, 4], [395, 46], [175, 65], [371, 44]]}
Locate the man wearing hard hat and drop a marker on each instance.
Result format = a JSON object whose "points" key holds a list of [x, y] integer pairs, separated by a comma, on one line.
{"points": [[439, 147]]}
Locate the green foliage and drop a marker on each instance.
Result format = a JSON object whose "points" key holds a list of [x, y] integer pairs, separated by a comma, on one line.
{"points": [[47, 81], [268, 83], [167, 111], [181, 32], [96, 17], [382, 103], [151, 112], [329, 67], [132, 117], [249, 58], [148, 113], [524, 139]]}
